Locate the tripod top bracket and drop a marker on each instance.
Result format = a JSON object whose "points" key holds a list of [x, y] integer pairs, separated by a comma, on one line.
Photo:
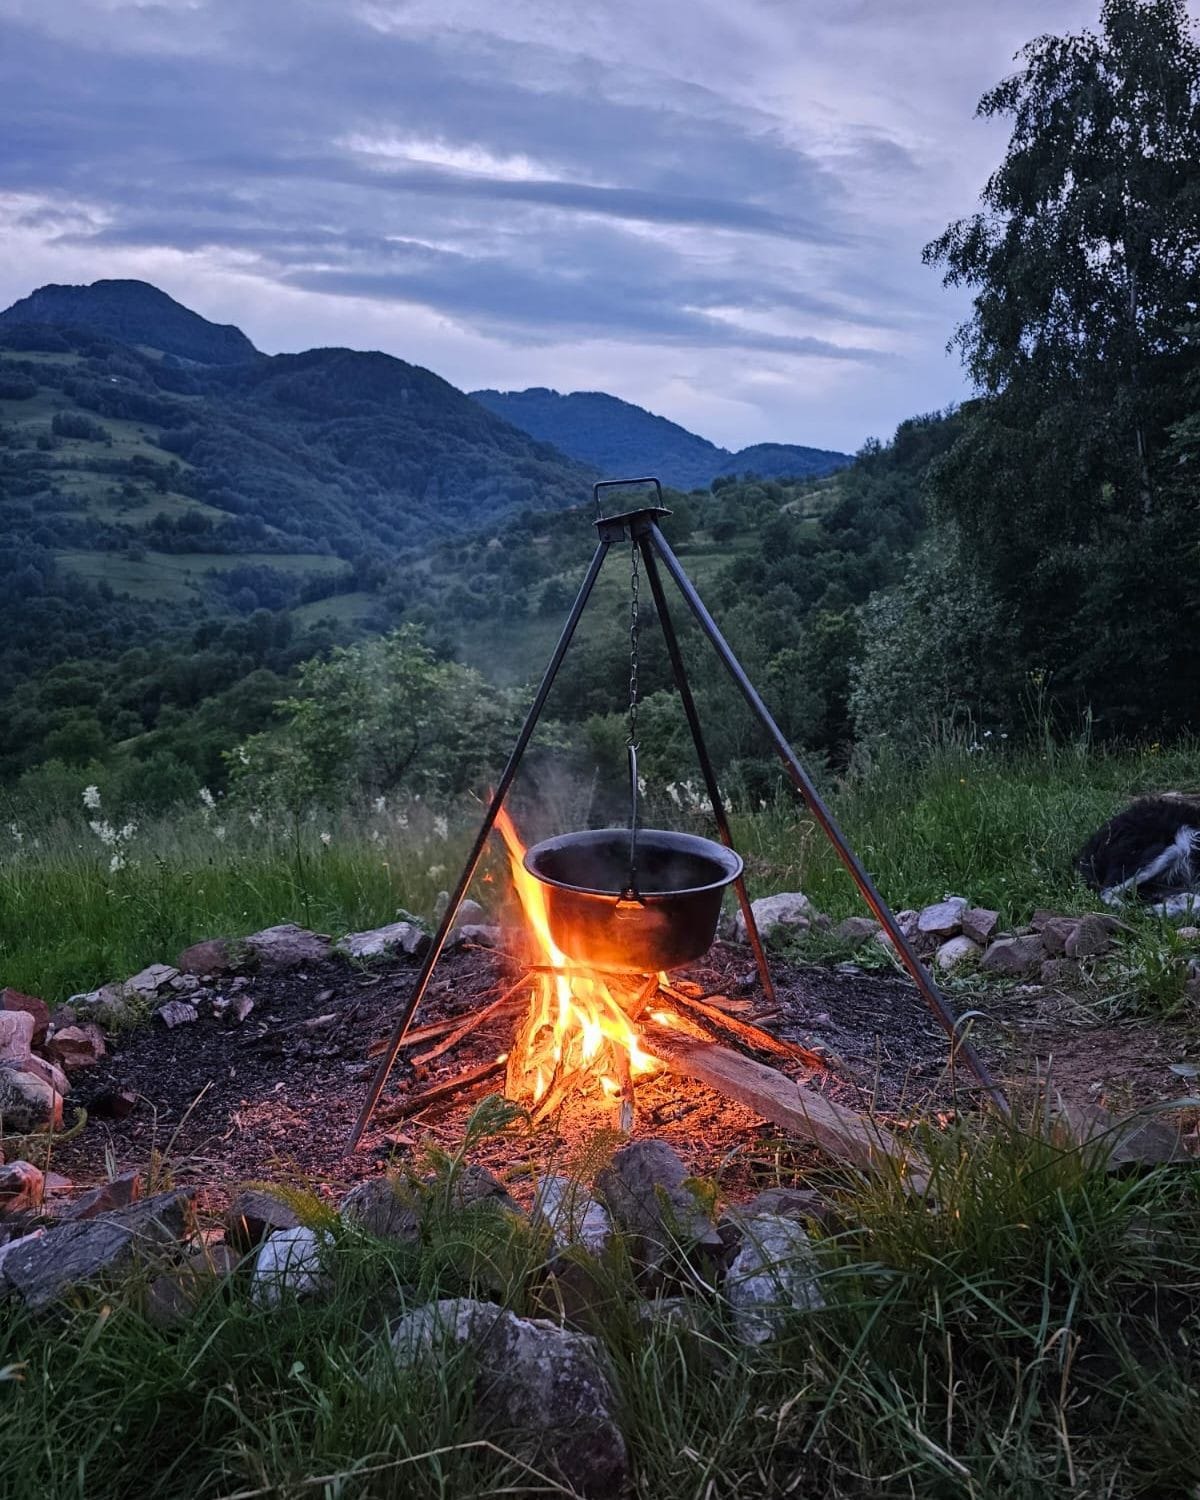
{"points": [[630, 524]]}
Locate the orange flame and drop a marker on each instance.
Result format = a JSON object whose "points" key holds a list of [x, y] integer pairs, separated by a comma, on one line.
{"points": [[577, 1021]]}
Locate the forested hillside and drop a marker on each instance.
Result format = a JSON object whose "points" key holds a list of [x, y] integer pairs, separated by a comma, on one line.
{"points": [[619, 438]]}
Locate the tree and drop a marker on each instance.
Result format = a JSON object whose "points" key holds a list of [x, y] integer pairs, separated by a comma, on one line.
{"points": [[1062, 492]]}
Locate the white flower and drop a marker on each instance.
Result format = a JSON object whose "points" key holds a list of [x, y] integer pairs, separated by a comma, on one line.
{"points": [[379, 804], [219, 830], [18, 836], [127, 832], [441, 826], [117, 862], [401, 820], [104, 831], [435, 872], [207, 798], [327, 839], [254, 817], [243, 755], [91, 797], [375, 836]]}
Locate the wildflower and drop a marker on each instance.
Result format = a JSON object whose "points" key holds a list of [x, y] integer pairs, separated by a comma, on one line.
{"points": [[104, 831], [243, 755], [127, 832], [91, 798], [987, 734], [375, 836], [254, 817], [379, 804], [441, 826], [401, 820], [219, 830], [327, 839], [18, 836], [117, 862], [435, 872], [207, 798]]}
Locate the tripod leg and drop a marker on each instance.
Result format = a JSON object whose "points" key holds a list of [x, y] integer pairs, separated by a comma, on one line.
{"points": [[883, 913], [434, 951], [706, 766]]}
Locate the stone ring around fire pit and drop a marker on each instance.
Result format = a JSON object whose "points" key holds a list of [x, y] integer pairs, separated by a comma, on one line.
{"points": [[672, 920]]}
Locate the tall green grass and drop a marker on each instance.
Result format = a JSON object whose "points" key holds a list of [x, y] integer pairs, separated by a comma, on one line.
{"points": [[1000, 827]]}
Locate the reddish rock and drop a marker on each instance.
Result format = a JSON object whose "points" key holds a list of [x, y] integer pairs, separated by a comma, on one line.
{"points": [[979, 924], [38, 1009], [1016, 957], [1055, 931], [77, 1046], [16, 1036], [212, 956], [22, 1186], [120, 1192]]}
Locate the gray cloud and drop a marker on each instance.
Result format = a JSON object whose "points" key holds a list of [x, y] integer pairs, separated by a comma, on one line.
{"points": [[730, 187]]}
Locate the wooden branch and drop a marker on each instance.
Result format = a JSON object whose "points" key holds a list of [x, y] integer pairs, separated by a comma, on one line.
{"points": [[472, 1022], [412, 1104], [842, 1132], [712, 1019]]}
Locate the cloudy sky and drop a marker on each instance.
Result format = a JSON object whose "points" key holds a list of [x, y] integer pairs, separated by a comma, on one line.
{"points": [[714, 208]]}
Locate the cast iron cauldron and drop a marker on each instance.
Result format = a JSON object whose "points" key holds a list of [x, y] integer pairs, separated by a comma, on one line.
{"points": [[671, 920]]}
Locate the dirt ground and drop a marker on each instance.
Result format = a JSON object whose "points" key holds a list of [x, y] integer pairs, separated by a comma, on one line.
{"points": [[276, 1096]]}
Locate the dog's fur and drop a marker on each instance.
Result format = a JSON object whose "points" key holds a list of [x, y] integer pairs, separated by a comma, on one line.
{"points": [[1149, 852]]}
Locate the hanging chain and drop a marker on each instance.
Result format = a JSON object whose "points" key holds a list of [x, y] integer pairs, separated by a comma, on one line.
{"points": [[631, 738]]}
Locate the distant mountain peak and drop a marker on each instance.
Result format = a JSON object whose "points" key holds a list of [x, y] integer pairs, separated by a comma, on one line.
{"points": [[135, 312], [618, 437]]}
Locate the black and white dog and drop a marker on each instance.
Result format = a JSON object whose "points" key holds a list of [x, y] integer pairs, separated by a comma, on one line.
{"points": [[1150, 852]]}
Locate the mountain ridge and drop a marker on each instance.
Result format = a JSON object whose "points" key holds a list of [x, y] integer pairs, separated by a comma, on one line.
{"points": [[617, 436], [136, 313]]}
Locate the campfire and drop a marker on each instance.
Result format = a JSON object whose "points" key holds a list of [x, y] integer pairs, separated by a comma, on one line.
{"points": [[584, 1034]]}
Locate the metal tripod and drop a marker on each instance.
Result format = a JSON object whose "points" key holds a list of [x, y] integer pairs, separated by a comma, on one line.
{"points": [[640, 527]]}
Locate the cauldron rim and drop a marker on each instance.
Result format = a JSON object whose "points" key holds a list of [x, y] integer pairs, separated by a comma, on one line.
{"points": [[683, 843]]}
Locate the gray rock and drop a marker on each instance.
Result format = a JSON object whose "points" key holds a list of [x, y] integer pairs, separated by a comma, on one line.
{"points": [[856, 930], [253, 1214], [786, 1203], [979, 923], [955, 952], [176, 1013], [401, 937], [943, 919], [150, 982], [572, 1214], [474, 932], [22, 1187], [385, 1207], [27, 1102], [542, 1392], [789, 911], [286, 947], [644, 1188], [109, 1006], [1015, 957], [1092, 937], [470, 913], [16, 1036], [41, 1270], [774, 1276], [290, 1263]]}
